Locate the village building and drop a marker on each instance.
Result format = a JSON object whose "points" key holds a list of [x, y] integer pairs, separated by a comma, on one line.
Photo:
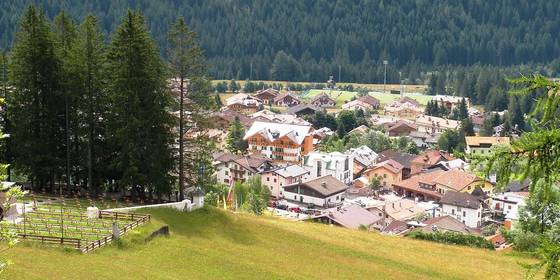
{"points": [[275, 179], [286, 100], [432, 185], [464, 207], [387, 172], [280, 142], [401, 128], [508, 205], [336, 164], [322, 100], [266, 115], [230, 168], [267, 96], [402, 158], [450, 102], [446, 224], [424, 140], [402, 110], [427, 159], [479, 145], [396, 210], [302, 109], [364, 103], [435, 125], [244, 103], [364, 157], [349, 216], [324, 191]]}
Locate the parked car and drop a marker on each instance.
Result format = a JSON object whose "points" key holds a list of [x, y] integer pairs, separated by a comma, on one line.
{"points": [[295, 209], [282, 207]]}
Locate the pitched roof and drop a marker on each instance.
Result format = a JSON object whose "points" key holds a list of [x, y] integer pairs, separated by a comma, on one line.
{"points": [[326, 185], [432, 157], [406, 99], [413, 183], [229, 116], [321, 96], [402, 158], [402, 209], [374, 102], [456, 179], [460, 199], [396, 227], [476, 141], [270, 91], [390, 165], [242, 98], [364, 155], [284, 95], [403, 124], [274, 131], [251, 162], [431, 121], [447, 223], [300, 107], [350, 216]]}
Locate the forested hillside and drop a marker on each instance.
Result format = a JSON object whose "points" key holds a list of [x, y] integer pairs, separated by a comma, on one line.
{"points": [[309, 39]]}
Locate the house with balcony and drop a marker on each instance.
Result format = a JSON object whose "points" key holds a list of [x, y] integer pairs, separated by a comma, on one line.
{"points": [[338, 165], [480, 145], [322, 100], [434, 125], [286, 100], [244, 103], [230, 168], [267, 95], [280, 142], [275, 179], [464, 207]]}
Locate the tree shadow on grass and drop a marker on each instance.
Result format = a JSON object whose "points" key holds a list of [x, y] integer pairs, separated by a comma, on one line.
{"points": [[207, 223]]}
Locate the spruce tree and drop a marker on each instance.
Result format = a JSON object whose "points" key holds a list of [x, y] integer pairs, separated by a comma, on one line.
{"points": [[139, 121], [234, 139], [86, 64], [65, 36], [35, 103], [188, 68]]}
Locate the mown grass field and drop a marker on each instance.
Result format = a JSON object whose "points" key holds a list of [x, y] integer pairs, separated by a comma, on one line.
{"points": [[341, 96], [214, 244]]}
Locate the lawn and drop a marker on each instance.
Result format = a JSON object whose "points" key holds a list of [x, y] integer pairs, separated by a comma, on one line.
{"points": [[384, 98], [214, 244], [372, 87]]}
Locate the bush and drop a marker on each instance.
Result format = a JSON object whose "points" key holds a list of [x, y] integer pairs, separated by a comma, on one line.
{"points": [[453, 238], [525, 241]]}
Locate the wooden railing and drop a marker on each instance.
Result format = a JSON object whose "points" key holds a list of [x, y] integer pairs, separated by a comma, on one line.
{"points": [[74, 242]]}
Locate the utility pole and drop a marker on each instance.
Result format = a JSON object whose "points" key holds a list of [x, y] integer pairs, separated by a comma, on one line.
{"points": [[385, 62], [339, 71], [400, 82]]}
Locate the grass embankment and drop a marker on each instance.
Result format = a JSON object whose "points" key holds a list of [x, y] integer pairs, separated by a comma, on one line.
{"points": [[214, 244]]}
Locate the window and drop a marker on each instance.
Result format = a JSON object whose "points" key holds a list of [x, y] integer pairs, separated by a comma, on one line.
{"points": [[384, 175], [227, 173], [274, 180], [270, 188], [295, 197], [509, 207], [464, 213], [268, 179], [319, 167], [226, 181], [452, 211], [346, 164]]}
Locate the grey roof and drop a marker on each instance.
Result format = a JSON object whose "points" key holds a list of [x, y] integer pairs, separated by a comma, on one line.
{"points": [[350, 216], [291, 171], [447, 223], [460, 199], [397, 156], [326, 185]]}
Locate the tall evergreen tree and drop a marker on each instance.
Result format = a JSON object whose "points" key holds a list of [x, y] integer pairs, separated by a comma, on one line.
{"points": [[234, 139], [188, 69], [139, 121], [35, 111], [65, 36], [87, 60]]}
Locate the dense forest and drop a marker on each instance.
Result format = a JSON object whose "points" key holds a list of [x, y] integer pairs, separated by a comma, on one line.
{"points": [[308, 40]]}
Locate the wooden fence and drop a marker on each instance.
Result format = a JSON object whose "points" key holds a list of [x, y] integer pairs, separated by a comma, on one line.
{"points": [[85, 246]]}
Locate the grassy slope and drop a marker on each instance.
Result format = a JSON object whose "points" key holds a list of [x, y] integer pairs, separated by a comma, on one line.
{"points": [[213, 244], [384, 98]]}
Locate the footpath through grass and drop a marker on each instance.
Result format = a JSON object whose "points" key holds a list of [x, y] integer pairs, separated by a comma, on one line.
{"points": [[214, 244]]}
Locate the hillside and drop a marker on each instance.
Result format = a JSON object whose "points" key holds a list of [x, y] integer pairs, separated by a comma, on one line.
{"points": [[213, 244], [311, 39]]}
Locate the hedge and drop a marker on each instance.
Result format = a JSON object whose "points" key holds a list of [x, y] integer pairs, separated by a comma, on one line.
{"points": [[454, 238]]}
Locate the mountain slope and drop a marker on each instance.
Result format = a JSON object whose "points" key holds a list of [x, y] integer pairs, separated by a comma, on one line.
{"points": [[213, 244], [321, 35]]}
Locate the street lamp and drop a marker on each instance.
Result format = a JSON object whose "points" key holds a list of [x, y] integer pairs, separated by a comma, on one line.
{"points": [[385, 62]]}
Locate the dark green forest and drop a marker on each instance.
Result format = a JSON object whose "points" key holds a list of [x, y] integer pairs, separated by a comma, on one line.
{"points": [[310, 39]]}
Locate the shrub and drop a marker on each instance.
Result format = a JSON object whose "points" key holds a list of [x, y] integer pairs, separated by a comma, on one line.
{"points": [[453, 238]]}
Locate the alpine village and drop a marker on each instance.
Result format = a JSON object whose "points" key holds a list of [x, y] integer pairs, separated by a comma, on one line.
{"points": [[294, 139]]}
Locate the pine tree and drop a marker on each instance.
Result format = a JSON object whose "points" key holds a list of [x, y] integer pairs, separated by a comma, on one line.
{"points": [[188, 69], [35, 111], [86, 64], [234, 139], [139, 121]]}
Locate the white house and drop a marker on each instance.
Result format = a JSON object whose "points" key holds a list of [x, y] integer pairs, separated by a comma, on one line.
{"points": [[324, 191], [509, 203], [236, 168], [464, 207], [275, 179], [336, 164]]}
